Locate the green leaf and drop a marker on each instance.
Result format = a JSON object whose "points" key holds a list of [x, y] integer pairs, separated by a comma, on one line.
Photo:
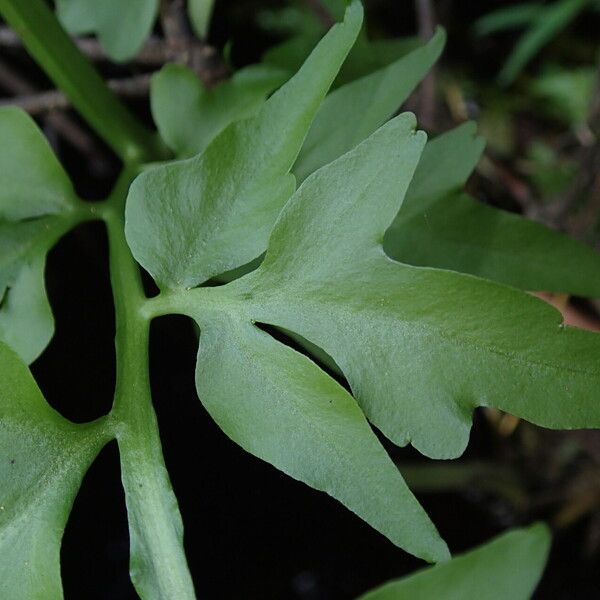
{"points": [[43, 459], [507, 568], [33, 182], [555, 17], [37, 205], [189, 123], [200, 13], [121, 27], [367, 56], [421, 348], [508, 18], [352, 112], [281, 407], [278, 405], [452, 156], [439, 227], [565, 93], [457, 232], [26, 321], [305, 29], [290, 54], [189, 221], [379, 53], [364, 58]]}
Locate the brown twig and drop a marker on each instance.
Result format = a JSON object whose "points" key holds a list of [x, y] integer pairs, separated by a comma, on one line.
{"points": [[36, 103], [519, 190], [185, 48], [154, 52], [426, 25], [69, 129], [12, 81]]}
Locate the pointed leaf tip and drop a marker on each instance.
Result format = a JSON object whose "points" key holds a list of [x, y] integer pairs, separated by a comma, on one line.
{"points": [[241, 181]]}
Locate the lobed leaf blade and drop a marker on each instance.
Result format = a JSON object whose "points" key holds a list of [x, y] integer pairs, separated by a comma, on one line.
{"points": [[421, 348], [189, 221], [281, 407]]}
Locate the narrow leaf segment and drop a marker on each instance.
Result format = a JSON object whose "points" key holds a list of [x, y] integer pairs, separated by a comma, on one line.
{"points": [[296, 417]]}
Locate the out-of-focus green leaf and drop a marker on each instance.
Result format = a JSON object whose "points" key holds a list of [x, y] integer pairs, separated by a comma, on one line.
{"points": [[290, 54], [510, 17], [297, 18], [37, 202], [304, 29], [289, 21], [189, 124], [281, 407], [214, 212], [439, 227], [352, 112], [550, 173], [566, 94], [43, 459], [121, 26], [364, 58], [554, 18], [457, 232], [370, 55], [498, 127], [200, 13], [507, 568]]}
